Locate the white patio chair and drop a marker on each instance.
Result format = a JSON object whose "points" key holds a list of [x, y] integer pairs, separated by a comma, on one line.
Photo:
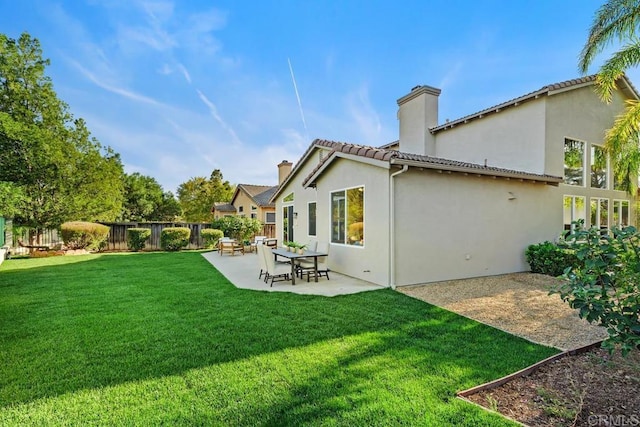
{"points": [[276, 273], [260, 248], [302, 264], [323, 266]]}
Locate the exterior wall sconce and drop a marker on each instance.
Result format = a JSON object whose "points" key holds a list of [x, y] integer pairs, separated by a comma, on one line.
{"points": [[512, 196], [295, 215]]}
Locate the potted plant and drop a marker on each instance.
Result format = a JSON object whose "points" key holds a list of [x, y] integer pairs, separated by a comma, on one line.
{"points": [[287, 245], [301, 249]]}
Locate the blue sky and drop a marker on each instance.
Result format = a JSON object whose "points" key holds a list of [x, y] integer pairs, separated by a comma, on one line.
{"points": [[182, 88]]}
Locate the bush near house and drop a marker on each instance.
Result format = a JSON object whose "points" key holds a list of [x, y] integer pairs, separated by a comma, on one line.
{"points": [[605, 283], [174, 238], [137, 238], [210, 237], [239, 228], [84, 235], [549, 258]]}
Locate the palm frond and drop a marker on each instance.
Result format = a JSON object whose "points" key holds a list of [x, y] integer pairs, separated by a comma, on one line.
{"points": [[613, 69], [622, 142], [616, 19]]}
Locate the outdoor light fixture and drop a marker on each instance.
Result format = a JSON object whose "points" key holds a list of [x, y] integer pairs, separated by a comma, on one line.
{"points": [[295, 215]]}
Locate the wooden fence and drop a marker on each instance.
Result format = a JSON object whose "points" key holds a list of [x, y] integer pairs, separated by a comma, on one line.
{"points": [[117, 238]]}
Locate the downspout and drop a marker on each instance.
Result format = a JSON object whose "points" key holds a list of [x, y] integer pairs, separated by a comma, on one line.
{"points": [[392, 220]]}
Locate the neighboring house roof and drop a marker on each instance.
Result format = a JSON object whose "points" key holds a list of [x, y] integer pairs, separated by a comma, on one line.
{"points": [[223, 207], [623, 83], [260, 194], [393, 157]]}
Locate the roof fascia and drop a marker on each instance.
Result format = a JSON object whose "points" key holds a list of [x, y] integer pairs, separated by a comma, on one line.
{"points": [[313, 148], [310, 181], [470, 171]]}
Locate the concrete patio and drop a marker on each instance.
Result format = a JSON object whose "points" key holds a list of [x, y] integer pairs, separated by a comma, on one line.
{"points": [[243, 270]]}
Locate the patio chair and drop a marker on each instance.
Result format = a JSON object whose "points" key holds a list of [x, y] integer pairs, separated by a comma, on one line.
{"points": [[256, 241], [230, 246], [276, 273], [303, 264], [260, 248], [271, 242], [323, 267]]}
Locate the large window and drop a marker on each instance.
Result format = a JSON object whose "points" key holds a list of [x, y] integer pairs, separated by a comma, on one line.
{"points": [[621, 213], [573, 162], [600, 213], [574, 210], [312, 218], [347, 216], [598, 167]]}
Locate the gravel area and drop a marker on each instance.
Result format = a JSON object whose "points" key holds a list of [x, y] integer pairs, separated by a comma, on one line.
{"points": [[517, 303]]}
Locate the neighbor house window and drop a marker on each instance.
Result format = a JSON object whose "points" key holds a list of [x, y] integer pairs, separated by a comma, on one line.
{"points": [[254, 208], [600, 213], [270, 217], [573, 162], [347, 216], [598, 167], [312, 219], [574, 209], [621, 213], [241, 209], [254, 215]]}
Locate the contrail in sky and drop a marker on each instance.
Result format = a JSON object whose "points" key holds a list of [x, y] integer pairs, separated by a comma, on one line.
{"points": [[295, 87]]}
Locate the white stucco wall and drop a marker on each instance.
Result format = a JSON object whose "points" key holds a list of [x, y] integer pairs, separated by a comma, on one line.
{"points": [[578, 114], [302, 197], [370, 262], [512, 139], [451, 226]]}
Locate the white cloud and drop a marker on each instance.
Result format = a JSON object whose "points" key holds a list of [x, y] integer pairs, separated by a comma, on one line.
{"points": [[214, 113], [364, 115]]}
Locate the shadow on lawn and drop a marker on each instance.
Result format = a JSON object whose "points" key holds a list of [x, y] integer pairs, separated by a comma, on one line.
{"points": [[115, 319]]}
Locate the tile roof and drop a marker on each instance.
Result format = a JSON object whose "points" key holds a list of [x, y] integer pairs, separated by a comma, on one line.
{"points": [[428, 162], [223, 207], [545, 90], [259, 193]]}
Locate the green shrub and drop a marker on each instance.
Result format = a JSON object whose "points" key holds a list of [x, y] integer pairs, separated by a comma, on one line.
{"points": [[549, 258], [84, 235], [239, 228], [174, 238], [137, 238], [211, 236], [605, 285]]}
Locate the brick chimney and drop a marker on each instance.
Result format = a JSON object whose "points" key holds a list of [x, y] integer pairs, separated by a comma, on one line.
{"points": [[284, 169], [418, 111]]}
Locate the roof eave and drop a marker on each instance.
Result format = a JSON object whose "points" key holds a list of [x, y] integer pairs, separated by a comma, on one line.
{"points": [[522, 177]]}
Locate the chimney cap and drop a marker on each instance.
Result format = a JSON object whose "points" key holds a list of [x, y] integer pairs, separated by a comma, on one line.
{"points": [[416, 91]]}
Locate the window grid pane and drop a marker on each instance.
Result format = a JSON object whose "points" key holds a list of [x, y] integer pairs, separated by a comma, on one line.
{"points": [[573, 162]]}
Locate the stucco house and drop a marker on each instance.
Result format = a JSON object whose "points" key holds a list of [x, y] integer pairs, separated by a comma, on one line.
{"points": [[254, 201], [462, 198]]}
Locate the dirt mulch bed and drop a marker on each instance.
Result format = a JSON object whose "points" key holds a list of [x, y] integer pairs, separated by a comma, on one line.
{"points": [[517, 303], [589, 389]]}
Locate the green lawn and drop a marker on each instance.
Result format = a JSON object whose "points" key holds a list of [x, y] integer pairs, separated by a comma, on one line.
{"points": [[163, 338]]}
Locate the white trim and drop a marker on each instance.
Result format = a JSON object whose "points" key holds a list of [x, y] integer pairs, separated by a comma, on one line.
{"points": [[585, 149], [620, 201], [364, 213]]}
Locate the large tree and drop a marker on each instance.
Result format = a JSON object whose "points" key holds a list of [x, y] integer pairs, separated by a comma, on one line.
{"points": [[145, 200], [62, 172], [197, 196], [618, 21]]}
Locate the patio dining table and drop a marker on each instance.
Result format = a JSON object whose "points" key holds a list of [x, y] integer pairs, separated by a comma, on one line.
{"points": [[295, 255]]}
